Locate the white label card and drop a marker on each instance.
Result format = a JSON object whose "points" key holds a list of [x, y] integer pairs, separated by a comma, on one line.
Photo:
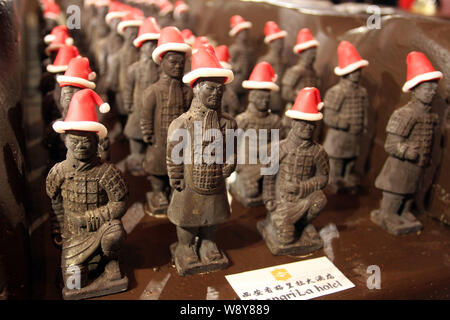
{"points": [[300, 280]]}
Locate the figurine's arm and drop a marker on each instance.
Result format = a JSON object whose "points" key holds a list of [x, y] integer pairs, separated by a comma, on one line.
{"points": [[117, 190], [269, 192], [112, 80], [103, 59], [288, 83], [54, 180], [398, 129], [147, 113], [332, 104], [128, 89], [320, 180], [175, 169], [228, 168]]}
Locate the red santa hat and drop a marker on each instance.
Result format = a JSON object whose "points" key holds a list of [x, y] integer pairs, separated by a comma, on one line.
{"points": [[78, 74], [188, 37], [117, 10], [305, 40], [200, 41], [165, 7], [52, 35], [223, 55], [131, 19], [349, 59], [307, 105], [419, 69], [82, 114], [262, 77], [52, 11], [272, 32], [178, 8], [237, 24], [149, 30], [59, 39], [170, 39], [206, 65], [65, 54]]}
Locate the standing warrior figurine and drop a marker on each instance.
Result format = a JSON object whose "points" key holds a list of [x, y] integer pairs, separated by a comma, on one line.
{"points": [[294, 196], [242, 58], [345, 113], [301, 75], [88, 199], [163, 101], [248, 185], [409, 142], [141, 75], [274, 38], [199, 202]]}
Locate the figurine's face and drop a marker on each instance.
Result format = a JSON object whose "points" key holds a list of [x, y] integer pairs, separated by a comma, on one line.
{"points": [[309, 56], [303, 129], [260, 98], [354, 76], [115, 23], [278, 45], [210, 92], [172, 64], [130, 33], [66, 95], [242, 35], [82, 145], [425, 91], [148, 47]]}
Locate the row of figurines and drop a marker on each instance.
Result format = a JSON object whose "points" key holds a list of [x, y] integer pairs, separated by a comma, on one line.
{"points": [[184, 137]]}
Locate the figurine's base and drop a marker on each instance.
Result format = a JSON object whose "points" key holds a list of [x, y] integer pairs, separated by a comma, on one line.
{"points": [[97, 288], [308, 242], [236, 193], [395, 224], [153, 211], [200, 267]]}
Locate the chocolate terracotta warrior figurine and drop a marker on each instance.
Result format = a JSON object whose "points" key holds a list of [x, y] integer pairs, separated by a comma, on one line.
{"points": [[345, 113], [294, 196], [165, 16], [242, 58], [163, 101], [181, 15], [302, 74], [199, 201], [120, 62], [247, 188], [88, 198], [230, 100], [409, 142], [141, 75], [274, 38]]}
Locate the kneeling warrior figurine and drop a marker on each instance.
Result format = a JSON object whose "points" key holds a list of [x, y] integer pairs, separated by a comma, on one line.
{"points": [[409, 140], [248, 185], [199, 201], [345, 114], [294, 196], [88, 199]]}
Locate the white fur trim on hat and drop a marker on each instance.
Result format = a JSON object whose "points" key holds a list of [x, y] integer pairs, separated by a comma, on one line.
{"points": [[178, 10], [104, 107], [209, 73], [225, 65], [63, 126], [128, 23], [305, 45], [99, 3], [49, 38], [320, 106], [249, 84], [56, 69], [239, 27], [169, 46], [69, 41], [145, 37], [351, 67], [80, 81], [278, 35], [434, 75], [110, 16], [92, 76], [294, 114], [51, 15]]}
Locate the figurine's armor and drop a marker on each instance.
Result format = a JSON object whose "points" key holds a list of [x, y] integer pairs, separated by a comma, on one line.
{"points": [[96, 192], [163, 102], [107, 47], [408, 127], [242, 61], [249, 174], [345, 113], [279, 67], [140, 76], [299, 77], [203, 201], [297, 188]]}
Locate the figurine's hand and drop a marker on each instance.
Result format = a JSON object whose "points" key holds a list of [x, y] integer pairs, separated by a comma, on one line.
{"points": [[291, 188], [177, 184], [93, 221], [412, 153], [128, 107], [148, 139], [271, 205], [57, 239]]}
